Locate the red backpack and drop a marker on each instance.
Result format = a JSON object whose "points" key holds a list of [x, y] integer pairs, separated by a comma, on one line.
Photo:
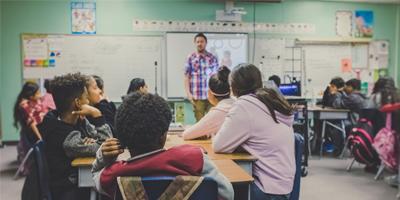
{"points": [[360, 143]]}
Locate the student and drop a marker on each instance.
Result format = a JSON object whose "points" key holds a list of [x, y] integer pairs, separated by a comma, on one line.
{"points": [[274, 82], [47, 99], [385, 92], [334, 89], [275, 79], [137, 84], [260, 122], [218, 96], [67, 134], [142, 122], [352, 99], [97, 98], [28, 113]]}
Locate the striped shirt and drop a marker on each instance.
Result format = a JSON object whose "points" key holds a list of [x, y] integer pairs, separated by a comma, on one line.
{"points": [[200, 67]]}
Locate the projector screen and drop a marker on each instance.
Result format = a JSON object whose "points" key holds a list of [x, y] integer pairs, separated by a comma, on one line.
{"points": [[230, 49]]}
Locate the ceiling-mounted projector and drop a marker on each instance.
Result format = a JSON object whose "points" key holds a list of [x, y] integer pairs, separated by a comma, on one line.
{"points": [[231, 13]]}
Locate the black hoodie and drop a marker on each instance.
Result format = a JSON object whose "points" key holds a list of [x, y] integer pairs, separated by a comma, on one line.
{"points": [[64, 142]]}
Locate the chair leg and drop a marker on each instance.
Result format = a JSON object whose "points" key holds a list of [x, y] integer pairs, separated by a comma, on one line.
{"points": [[380, 171], [322, 138], [22, 165], [351, 165]]}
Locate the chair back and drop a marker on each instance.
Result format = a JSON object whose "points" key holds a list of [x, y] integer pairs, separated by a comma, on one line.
{"points": [[155, 187], [43, 174]]}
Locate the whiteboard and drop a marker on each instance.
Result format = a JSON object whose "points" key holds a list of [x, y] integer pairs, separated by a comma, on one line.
{"points": [[117, 59], [180, 45], [322, 63]]}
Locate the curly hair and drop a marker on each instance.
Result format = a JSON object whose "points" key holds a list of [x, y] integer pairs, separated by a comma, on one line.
{"points": [[66, 88], [141, 122]]}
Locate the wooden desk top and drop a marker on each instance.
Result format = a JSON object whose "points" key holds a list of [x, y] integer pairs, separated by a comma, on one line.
{"points": [[230, 169], [233, 172], [173, 140]]}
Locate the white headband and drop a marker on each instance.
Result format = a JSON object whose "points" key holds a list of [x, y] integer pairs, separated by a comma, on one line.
{"points": [[219, 95]]}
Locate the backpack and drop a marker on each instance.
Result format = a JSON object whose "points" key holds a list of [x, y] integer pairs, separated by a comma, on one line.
{"points": [[360, 143], [385, 143]]}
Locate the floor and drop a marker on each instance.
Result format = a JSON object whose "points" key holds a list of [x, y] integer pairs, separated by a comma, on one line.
{"points": [[327, 179]]}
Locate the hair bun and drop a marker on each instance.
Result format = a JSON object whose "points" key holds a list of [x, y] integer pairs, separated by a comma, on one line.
{"points": [[223, 73]]}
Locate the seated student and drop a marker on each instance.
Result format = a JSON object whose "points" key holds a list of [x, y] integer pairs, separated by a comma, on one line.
{"points": [[28, 113], [47, 99], [218, 96], [67, 134], [274, 82], [260, 122], [142, 122], [95, 88], [334, 89], [352, 99], [137, 84]]}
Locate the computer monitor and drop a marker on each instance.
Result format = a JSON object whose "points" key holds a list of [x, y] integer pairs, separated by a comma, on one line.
{"points": [[291, 89]]}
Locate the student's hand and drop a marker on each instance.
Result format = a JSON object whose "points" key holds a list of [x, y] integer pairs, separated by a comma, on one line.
{"points": [[190, 98], [87, 110], [88, 141], [111, 148]]}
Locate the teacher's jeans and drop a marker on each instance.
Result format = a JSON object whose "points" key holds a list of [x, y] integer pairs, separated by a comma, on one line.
{"points": [[200, 108]]}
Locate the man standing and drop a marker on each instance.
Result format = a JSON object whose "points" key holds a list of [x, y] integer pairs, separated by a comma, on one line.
{"points": [[199, 66]]}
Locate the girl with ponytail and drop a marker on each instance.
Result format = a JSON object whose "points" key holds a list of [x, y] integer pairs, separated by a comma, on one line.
{"points": [[28, 113], [219, 97], [260, 122]]}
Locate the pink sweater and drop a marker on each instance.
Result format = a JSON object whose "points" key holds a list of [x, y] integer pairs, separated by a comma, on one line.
{"points": [[211, 122], [250, 126]]}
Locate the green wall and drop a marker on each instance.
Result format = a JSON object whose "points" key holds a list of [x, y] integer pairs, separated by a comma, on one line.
{"points": [[115, 17]]}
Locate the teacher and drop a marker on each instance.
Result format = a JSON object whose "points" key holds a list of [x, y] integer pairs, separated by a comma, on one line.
{"points": [[200, 65]]}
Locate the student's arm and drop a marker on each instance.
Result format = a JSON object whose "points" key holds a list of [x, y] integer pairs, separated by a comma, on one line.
{"points": [[36, 131], [99, 130], [225, 189], [207, 126], [234, 130], [76, 146], [338, 101], [106, 155]]}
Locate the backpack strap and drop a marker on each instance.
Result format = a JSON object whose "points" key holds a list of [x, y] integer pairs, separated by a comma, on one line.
{"points": [[389, 120]]}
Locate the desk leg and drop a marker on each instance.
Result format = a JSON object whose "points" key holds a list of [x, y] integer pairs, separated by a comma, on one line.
{"points": [[249, 192], [322, 138], [93, 194], [346, 141]]}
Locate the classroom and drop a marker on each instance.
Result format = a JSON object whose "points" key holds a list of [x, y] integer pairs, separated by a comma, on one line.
{"points": [[199, 99]]}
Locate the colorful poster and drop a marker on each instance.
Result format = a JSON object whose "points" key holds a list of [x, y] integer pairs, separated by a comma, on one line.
{"points": [[83, 18], [35, 50], [364, 22]]}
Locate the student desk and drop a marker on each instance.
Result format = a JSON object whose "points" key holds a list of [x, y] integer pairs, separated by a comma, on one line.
{"points": [[326, 114], [237, 167], [244, 160]]}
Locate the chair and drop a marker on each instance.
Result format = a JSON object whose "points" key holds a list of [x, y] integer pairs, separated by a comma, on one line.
{"points": [[38, 176], [298, 143], [155, 186]]}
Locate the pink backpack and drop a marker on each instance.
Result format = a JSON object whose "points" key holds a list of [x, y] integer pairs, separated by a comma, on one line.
{"points": [[385, 143]]}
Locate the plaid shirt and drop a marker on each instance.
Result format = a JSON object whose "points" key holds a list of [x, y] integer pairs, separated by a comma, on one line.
{"points": [[200, 67], [34, 111]]}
